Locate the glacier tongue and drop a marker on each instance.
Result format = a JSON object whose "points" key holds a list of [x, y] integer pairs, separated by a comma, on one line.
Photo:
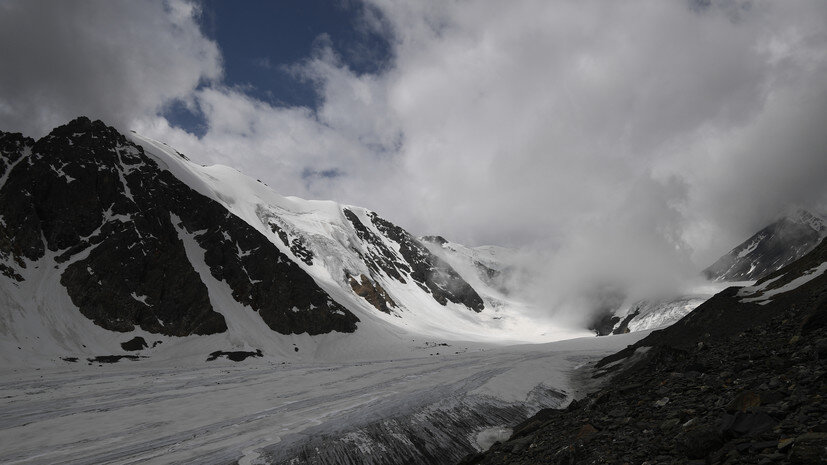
{"points": [[438, 426], [263, 411]]}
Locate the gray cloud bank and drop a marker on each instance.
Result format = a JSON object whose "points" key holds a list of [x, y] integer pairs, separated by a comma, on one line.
{"points": [[110, 59], [631, 142]]}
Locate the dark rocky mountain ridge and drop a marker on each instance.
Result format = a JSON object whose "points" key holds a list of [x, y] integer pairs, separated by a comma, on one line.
{"points": [[112, 218], [776, 245], [735, 381]]}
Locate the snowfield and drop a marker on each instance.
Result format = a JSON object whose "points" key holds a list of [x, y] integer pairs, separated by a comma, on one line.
{"points": [[263, 411]]}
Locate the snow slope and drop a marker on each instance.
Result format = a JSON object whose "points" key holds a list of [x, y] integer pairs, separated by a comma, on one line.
{"points": [[338, 252]]}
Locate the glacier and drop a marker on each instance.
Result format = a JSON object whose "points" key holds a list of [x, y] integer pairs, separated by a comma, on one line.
{"points": [[270, 411]]}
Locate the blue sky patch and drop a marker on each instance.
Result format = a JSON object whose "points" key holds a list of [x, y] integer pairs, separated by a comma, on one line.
{"points": [[259, 40]]}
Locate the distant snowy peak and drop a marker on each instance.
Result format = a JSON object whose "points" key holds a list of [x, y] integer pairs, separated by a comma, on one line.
{"points": [[770, 249]]}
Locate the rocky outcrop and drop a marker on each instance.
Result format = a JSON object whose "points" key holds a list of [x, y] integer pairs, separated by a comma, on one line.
{"points": [[16, 243], [605, 324], [438, 240], [429, 271], [623, 327], [414, 261], [136, 343], [373, 293], [296, 244], [115, 221], [235, 355], [732, 382]]}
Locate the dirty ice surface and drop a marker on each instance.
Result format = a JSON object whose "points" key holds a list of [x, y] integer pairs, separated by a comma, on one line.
{"points": [[218, 412]]}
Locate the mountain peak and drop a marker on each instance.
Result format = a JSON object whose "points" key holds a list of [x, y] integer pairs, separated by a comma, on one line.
{"points": [[434, 239], [771, 248], [83, 132], [812, 220]]}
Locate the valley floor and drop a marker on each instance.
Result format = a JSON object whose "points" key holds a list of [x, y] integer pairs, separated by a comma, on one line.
{"points": [[263, 411]]}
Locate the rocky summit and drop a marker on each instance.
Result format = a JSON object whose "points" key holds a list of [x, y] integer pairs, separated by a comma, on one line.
{"points": [[742, 379]]}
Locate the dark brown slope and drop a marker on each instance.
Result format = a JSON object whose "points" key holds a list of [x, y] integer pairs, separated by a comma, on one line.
{"points": [[732, 382]]}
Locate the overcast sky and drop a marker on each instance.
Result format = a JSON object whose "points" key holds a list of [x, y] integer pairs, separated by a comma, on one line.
{"points": [[605, 133]]}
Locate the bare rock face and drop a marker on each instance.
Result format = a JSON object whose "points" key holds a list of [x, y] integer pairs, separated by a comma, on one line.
{"points": [[136, 343], [296, 244], [18, 234], [417, 263], [116, 222], [373, 292]]}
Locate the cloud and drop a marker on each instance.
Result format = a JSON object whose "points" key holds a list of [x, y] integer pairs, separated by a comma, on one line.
{"points": [[113, 60], [628, 143], [563, 105]]}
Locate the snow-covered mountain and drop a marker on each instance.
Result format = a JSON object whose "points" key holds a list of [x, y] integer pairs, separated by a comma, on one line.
{"points": [[104, 238], [770, 249]]}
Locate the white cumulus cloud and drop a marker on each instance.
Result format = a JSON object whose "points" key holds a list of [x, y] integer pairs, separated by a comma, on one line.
{"points": [[632, 142]]}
